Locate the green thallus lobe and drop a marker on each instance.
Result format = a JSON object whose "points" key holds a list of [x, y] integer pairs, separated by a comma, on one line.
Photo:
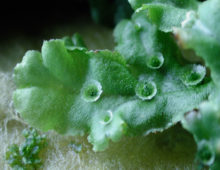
{"points": [[98, 86], [98, 92], [196, 28]]}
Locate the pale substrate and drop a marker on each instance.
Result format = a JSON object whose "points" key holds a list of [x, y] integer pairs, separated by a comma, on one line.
{"points": [[172, 149]]}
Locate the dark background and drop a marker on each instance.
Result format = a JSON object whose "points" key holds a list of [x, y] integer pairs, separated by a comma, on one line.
{"points": [[31, 17]]}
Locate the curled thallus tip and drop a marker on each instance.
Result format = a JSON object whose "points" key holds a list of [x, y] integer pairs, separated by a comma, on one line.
{"points": [[190, 19]]}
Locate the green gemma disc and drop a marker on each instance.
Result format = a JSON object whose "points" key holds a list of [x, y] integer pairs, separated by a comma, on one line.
{"points": [[107, 118], [91, 91], [146, 90], [205, 153], [193, 74], [156, 61]]}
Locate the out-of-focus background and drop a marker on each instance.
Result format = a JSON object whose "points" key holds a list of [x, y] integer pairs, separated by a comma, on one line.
{"points": [[24, 27], [31, 18]]}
